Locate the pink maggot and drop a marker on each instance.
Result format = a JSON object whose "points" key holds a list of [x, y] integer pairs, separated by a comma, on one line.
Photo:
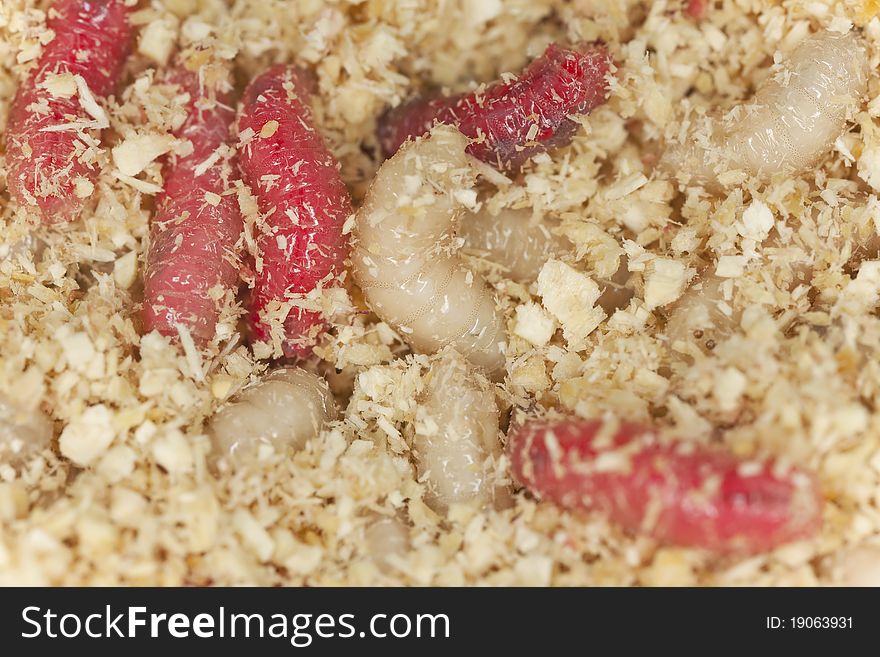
{"points": [[302, 200], [46, 134], [674, 491], [193, 236], [509, 122]]}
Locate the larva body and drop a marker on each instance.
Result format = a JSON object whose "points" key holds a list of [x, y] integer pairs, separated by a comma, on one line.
{"points": [[302, 200], [23, 433], [286, 409], [386, 539], [512, 240], [56, 116], [701, 316], [520, 247], [793, 119], [676, 492], [456, 435], [510, 121], [192, 262], [406, 259]]}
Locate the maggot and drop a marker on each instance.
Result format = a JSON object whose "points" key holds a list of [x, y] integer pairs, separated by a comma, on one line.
{"points": [[456, 443], [286, 409], [406, 257], [790, 123]]}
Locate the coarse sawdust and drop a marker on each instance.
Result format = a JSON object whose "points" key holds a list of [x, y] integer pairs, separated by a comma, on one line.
{"points": [[123, 495]]}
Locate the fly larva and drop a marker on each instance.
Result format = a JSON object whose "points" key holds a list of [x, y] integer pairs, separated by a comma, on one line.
{"points": [[674, 491], [283, 411], [192, 252], [456, 439], [59, 103], [406, 259], [23, 433], [386, 539], [301, 245], [514, 241], [511, 120], [793, 119], [520, 247]]}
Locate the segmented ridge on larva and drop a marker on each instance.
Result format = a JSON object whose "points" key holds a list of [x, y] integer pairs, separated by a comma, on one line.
{"points": [[406, 257], [192, 261], [456, 444], [284, 410], [56, 116], [680, 492], [512, 240], [793, 119], [303, 202]]}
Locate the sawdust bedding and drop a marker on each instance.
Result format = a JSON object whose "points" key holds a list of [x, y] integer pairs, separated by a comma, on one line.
{"points": [[124, 492]]}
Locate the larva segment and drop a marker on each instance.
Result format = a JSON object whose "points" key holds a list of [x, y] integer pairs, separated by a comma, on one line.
{"points": [[510, 121], [793, 119], [302, 200], [514, 241], [192, 261], [23, 433], [676, 492], [456, 440], [520, 247], [285, 410], [406, 259], [56, 115]]}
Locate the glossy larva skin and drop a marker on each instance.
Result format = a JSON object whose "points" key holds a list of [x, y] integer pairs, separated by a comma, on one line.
{"points": [[456, 440], [512, 240], [509, 121], [45, 168], [794, 117], [701, 316], [406, 258], [193, 261], [22, 433], [677, 492], [302, 200], [386, 539], [282, 412]]}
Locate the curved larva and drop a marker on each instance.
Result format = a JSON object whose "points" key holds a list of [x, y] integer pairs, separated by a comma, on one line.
{"points": [[283, 411], [514, 241], [386, 538], [406, 259], [22, 433], [456, 435], [794, 117]]}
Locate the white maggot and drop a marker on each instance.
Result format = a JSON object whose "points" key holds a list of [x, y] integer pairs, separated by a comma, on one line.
{"points": [[793, 119], [406, 259], [456, 439], [283, 411], [512, 240], [520, 247], [23, 433], [386, 539]]}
